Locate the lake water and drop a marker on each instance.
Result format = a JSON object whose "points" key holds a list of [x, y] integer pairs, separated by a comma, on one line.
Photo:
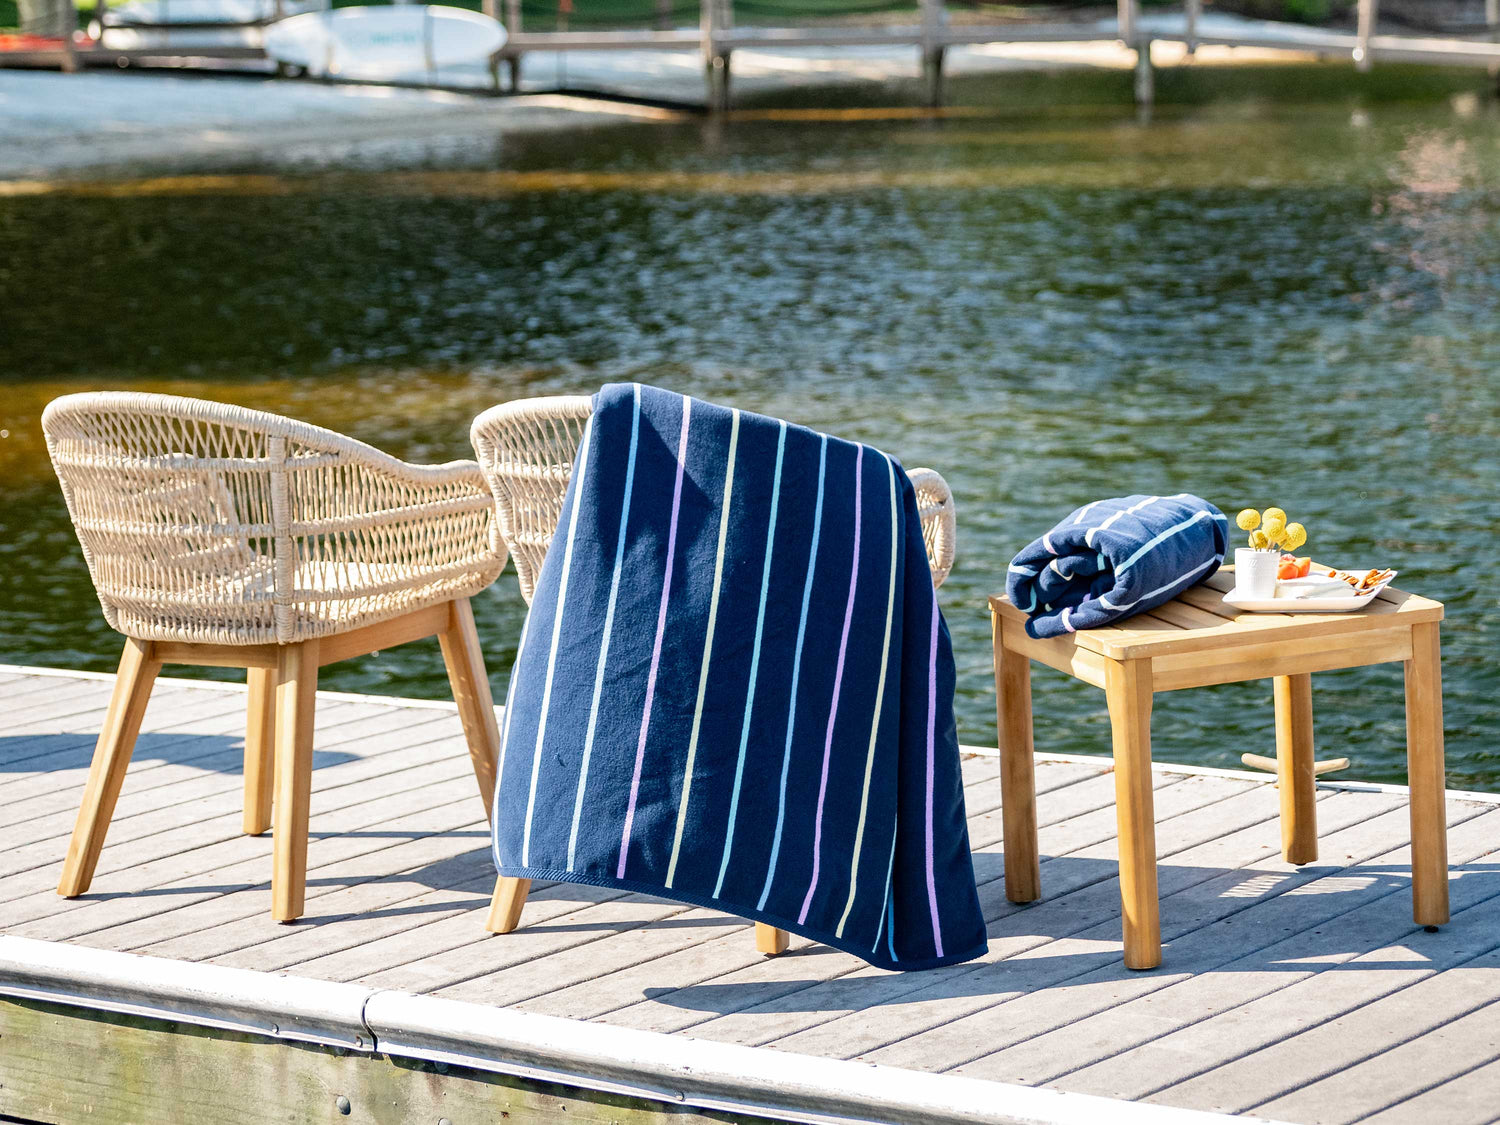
{"points": [[1284, 289]]}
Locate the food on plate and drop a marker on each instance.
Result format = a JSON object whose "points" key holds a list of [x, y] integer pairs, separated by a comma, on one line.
{"points": [[1293, 567], [1364, 583]]}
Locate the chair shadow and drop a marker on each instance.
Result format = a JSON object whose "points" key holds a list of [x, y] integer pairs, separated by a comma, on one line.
{"points": [[1326, 934], [212, 753]]}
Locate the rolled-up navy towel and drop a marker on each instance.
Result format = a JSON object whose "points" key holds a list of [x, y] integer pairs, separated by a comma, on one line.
{"points": [[1114, 558]]}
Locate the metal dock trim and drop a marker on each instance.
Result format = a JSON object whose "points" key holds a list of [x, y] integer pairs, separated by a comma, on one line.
{"points": [[664, 1068]]}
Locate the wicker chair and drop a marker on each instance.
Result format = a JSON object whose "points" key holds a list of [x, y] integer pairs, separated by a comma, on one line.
{"points": [[233, 538], [526, 450]]}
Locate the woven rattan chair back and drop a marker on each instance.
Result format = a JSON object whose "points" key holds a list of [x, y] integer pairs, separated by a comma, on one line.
{"points": [[526, 450], [233, 538], [211, 523]]}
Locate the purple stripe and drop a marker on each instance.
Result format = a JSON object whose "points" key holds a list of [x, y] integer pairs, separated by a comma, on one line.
{"points": [[937, 929], [838, 680], [661, 628]]}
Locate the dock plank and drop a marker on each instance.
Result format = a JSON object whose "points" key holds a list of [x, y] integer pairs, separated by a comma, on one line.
{"points": [[1138, 1044], [589, 996], [1303, 994]]}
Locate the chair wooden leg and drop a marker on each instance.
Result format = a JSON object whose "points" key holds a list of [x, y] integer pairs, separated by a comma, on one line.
{"points": [[505, 907], [1023, 876], [122, 723], [1127, 686], [769, 940], [471, 691], [1424, 769], [1294, 768], [260, 750], [296, 695]]}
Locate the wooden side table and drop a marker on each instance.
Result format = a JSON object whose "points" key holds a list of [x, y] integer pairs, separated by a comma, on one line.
{"points": [[1194, 641]]}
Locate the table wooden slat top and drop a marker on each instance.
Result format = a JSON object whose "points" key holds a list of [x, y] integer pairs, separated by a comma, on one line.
{"points": [[1199, 620]]}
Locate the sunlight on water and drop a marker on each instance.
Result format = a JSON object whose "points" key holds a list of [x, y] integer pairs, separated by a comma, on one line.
{"points": [[1257, 299]]}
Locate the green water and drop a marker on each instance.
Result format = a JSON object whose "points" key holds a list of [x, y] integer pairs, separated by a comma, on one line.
{"points": [[1282, 290]]}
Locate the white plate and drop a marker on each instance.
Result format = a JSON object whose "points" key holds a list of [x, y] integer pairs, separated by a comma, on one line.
{"points": [[1286, 600]]}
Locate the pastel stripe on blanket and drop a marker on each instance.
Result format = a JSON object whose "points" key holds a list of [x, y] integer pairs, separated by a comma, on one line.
{"points": [[760, 632], [557, 623], [791, 718], [687, 754], [609, 624], [838, 683], [661, 628], [1141, 552], [885, 654], [708, 650]]}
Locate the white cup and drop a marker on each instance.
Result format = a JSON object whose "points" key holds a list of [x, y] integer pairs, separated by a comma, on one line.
{"points": [[1255, 573]]}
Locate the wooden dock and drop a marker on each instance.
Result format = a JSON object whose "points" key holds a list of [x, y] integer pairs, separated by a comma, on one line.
{"points": [[1293, 994]]}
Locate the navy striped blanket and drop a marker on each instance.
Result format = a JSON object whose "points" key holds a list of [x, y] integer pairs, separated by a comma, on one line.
{"points": [[1113, 558], [735, 687]]}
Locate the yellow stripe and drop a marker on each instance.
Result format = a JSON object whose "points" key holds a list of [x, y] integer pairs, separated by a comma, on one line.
{"points": [[885, 655], [708, 648]]}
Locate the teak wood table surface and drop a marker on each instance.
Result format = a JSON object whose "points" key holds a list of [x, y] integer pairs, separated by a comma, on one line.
{"points": [[1193, 641]]}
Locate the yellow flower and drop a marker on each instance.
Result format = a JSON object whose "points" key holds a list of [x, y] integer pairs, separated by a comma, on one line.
{"points": [[1259, 541], [1296, 535], [1275, 527], [1274, 514], [1249, 519]]}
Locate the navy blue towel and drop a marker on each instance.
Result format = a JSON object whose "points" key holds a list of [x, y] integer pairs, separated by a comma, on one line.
{"points": [[735, 687], [1113, 558]]}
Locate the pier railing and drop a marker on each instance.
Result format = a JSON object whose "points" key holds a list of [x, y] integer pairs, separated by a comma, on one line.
{"points": [[930, 33], [718, 37]]}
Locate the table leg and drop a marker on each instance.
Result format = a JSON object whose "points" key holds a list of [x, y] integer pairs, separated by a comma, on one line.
{"points": [[1127, 686], [1294, 768], [1023, 878], [1424, 768]]}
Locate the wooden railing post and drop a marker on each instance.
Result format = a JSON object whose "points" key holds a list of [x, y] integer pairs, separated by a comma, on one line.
{"points": [[717, 17], [1363, 31], [512, 29], [934, 17], [69, 19], [1128, 16]]}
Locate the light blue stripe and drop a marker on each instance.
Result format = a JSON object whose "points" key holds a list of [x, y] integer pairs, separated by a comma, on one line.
{"points": [[609, 622], [1088, 536], [885, 910], [557, 620], [1197, 570], [760, 627], [1016, 569], [510, 694], [1158, 540], [791, 722]]}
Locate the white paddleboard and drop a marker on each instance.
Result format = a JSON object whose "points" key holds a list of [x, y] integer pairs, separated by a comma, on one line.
{"points": [[383, 42]]}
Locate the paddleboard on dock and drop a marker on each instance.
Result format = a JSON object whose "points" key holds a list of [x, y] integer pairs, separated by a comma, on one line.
{"points": [[382, 42]]}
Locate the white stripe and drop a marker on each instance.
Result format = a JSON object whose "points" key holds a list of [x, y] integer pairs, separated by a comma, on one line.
{"points": [[708, 648], [562, 601], [885, 653], [1156, 541], [1085, 510], [1107, 604], [1028, 570], [1088, 536], [609, 625]]}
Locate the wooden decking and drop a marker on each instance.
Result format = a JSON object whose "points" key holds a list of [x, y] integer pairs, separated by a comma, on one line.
{"points": [[1298, 994]]}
